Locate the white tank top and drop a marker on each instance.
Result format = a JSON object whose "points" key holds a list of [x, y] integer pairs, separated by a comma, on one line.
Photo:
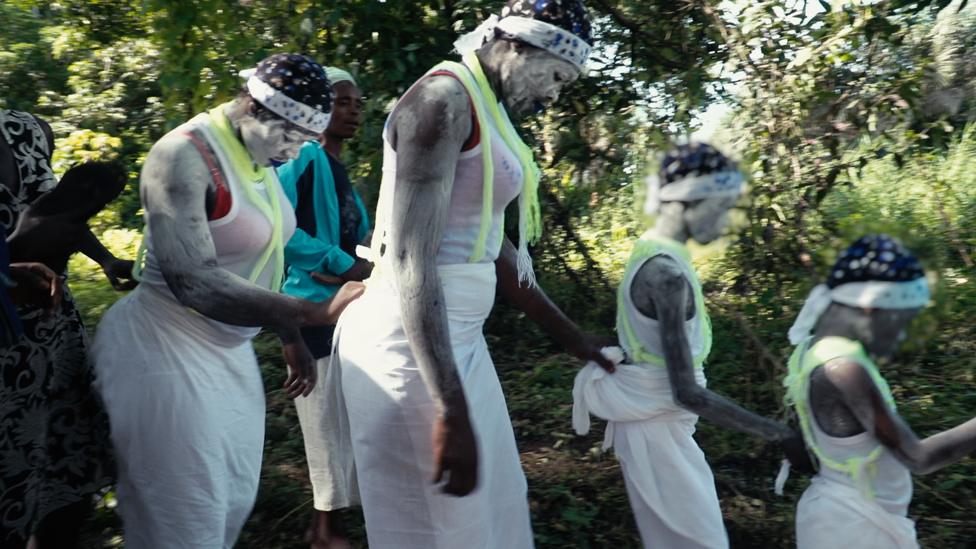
{"points": [[648, 330], [464, 216], [889, 479], [240, 237]]}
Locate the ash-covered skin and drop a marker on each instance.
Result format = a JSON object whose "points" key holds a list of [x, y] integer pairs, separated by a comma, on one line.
{"points": [[660, 291], [175, 184], [273, 141], [845, 400], [428, 129], [843, 397], [532, 79]]}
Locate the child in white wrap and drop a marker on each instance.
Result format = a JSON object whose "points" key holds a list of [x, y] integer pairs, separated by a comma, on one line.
{"points": [[653, 401]]}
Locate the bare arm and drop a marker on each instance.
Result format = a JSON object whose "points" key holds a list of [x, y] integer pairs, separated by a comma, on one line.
{"points": [[118, 271], [864, 399], [660, 286], [174, 185], [534, 302], [430, 125], [428, 128]]}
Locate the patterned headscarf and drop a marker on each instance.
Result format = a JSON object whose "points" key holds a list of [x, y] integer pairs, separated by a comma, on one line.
{"points": [[561, 27], [569, 15], [876, 272], [692, 172], [293, 87]]}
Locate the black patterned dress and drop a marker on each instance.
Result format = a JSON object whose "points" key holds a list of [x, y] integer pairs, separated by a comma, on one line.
{"points": [[54, 443]]}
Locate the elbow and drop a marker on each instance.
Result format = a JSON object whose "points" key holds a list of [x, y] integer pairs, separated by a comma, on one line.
{"points": [[190, 288], [921, 465], [916, 460], [690, 397]]}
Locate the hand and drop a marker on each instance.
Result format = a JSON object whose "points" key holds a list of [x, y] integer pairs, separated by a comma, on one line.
{"points": [[455, 454], [36, 285], [588, 348], [119, 273], [796, 451], [360, 270], [327, 312], [301, 368], [325, 279]]}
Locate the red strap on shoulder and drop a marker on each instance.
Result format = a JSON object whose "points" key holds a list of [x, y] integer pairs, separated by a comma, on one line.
{"points": [[475, 137], [223, 199]]}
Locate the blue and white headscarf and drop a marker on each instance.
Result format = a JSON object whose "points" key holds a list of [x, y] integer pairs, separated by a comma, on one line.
{"points": [[875, 272], [561, 27], [692, 172], [293, 87]]}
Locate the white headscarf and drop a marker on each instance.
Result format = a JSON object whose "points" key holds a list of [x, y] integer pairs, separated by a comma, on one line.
{"points": [[336, 75], [555, 40], [876, 272]]}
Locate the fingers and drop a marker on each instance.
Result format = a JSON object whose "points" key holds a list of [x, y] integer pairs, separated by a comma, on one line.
{"points": [[604, 362], [292, 378], [462, 481], [438, 470], [461, 476], [309, 381], [123, 284], [296, 388], [301, 381], [42, 282], [56, 293], [326, 279]]}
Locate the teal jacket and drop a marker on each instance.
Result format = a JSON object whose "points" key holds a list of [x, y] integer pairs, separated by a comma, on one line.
{"points": [[305, 253]]}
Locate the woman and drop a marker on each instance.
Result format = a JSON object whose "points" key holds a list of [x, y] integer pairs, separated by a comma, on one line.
{"points": [[176, 367], [434, 451], [54, 434]]}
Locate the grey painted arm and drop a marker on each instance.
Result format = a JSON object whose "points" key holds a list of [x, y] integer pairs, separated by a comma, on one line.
{"points": [[173, 186], [428, 129], [921, 456], [660, 288]]}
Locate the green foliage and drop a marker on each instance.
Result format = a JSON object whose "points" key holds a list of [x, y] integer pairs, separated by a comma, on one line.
{"points": [[853, 119]]}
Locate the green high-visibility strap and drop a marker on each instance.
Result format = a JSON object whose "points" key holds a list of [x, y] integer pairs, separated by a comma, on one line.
{"points": [[804, 360], [649, 246]]}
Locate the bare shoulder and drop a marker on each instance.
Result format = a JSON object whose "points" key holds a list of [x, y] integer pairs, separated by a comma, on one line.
{"points": [[850, 377], [659, 281], [659, 274], [172, 146], [174, 173], [436, 108], [439, 91]]}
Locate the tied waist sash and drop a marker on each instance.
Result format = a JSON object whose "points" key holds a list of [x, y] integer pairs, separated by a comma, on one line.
{"points": [[635, 392]]}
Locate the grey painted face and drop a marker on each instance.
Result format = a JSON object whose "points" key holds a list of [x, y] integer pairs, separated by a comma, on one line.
{"points": [[532, 79], [273, 140], [888, 329], [706, 219]]}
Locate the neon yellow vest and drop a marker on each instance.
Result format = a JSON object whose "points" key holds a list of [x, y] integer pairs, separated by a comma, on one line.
{"points": [[486, 108], [647, 247], [802, 363], [248, 175]]}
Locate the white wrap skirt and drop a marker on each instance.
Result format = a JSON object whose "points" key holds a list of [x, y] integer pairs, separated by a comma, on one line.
{"points": [[669, 483], [831, 515], [390, 416], [186, 406]]}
